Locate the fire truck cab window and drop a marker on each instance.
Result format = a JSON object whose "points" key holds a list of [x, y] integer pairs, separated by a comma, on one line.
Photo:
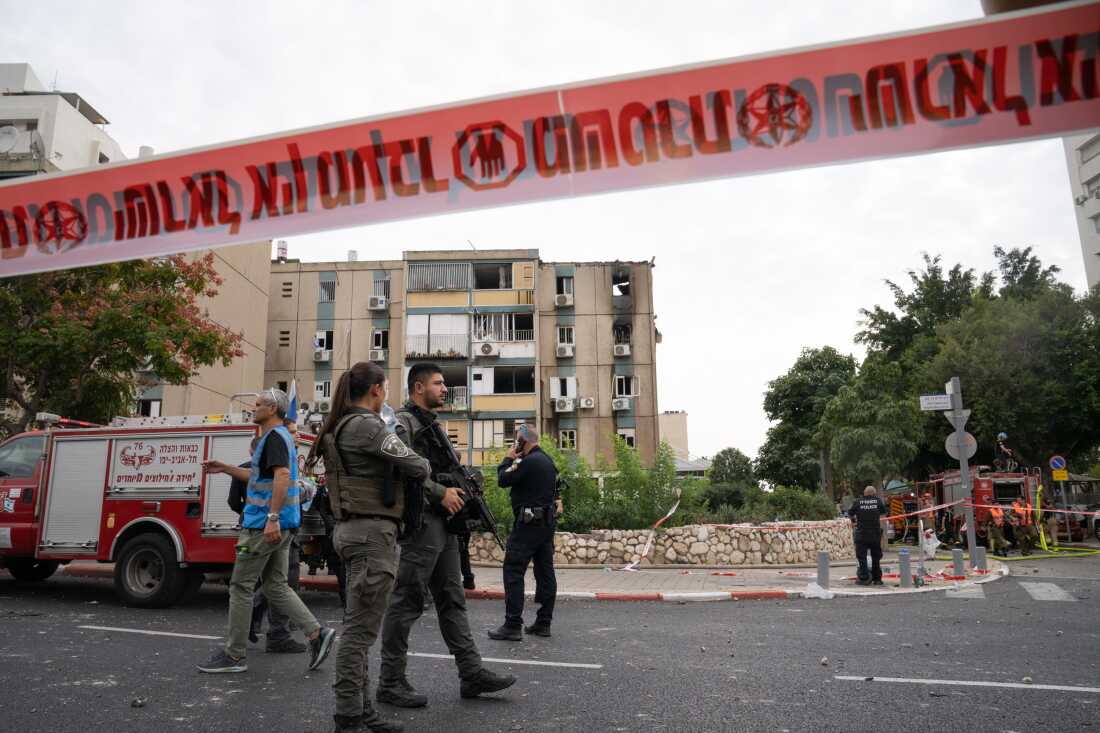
{"points": [[1007, 490], [19, 457]]}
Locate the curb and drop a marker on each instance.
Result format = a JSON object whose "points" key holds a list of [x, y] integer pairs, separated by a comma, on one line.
{"points": [[329, 583]]}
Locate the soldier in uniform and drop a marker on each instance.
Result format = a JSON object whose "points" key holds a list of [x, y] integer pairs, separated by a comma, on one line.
{"points": [[361, 455], [1023, 526], [430, 558], [998, 545]]}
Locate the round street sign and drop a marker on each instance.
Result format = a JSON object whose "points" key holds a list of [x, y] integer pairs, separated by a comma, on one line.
{"points": [[1057, 463], [969, 441]]}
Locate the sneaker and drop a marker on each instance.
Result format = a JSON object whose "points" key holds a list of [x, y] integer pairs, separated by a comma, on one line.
{"points": [[285, 646], [222, 663], [506, 633], [401, 694], [320, 647], [485, 681], [538, 629]]}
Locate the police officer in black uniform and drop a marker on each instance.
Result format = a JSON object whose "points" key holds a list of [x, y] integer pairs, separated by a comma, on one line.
{"points": [[867, 512], [533, 480]]}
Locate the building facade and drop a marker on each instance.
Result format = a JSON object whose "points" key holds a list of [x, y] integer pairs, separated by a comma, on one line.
{"points": [[570, 347], [44, 131], [1083, 162]]}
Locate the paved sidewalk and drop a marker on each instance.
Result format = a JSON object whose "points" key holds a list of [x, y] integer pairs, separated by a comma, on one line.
{"points": [[683, 583]]}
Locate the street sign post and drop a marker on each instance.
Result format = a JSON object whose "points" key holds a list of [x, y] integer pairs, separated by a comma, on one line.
{"points": [[963, 451]]}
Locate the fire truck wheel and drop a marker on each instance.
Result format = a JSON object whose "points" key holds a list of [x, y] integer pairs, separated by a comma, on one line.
{"points": [[30, 570], [146, 574]]}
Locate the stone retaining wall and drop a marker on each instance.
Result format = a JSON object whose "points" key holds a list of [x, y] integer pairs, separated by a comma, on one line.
{"points": [[794, 542]]}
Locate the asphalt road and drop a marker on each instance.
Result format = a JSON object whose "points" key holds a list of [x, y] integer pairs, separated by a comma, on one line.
{"points": [[744, 666]]}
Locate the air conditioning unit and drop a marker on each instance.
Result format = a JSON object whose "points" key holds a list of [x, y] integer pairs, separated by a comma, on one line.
{"points": [[563, 300], [376, 303], [587, 403], [323, 406], [620, 403], [564, 404], [377, 355], [487, 348], [622, 349], [322, 355], [304, 407], [565, 351]]}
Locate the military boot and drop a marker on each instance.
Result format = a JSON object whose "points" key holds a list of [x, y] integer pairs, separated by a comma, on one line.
{"points": [[374, 723], [539, 628], [348, 724], [485, 681], [506, 633], [400, 693]]}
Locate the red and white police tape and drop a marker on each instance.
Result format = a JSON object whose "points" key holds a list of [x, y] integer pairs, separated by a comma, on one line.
{"points": [[1010, 77]]}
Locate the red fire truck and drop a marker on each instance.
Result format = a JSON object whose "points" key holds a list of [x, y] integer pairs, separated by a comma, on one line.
{"points": [[133, 493]]}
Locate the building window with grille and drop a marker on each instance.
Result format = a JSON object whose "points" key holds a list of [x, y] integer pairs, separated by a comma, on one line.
{"points": [[382, 288], [626, 385], [627, 434], [327, 291], [565, 335], [567, 439]]}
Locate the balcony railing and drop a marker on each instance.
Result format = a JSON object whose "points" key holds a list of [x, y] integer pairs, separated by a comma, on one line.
{"points": [[437, 346], [458, 399]]}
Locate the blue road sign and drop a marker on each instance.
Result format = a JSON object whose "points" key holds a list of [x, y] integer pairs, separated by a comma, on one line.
{"points": [[1058, 463]]}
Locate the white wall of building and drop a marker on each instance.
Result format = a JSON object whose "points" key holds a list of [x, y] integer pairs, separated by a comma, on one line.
{"points": [[1083, 163]]}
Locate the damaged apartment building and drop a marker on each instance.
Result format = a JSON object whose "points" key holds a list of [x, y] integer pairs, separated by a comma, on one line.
{"points": [[570, 347]]}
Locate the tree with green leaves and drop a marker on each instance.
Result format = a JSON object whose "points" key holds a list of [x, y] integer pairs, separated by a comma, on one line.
{"points": [[872, 426], [74, 341], [937, 297], [730, 477], [796, 401], [1030, 368]]}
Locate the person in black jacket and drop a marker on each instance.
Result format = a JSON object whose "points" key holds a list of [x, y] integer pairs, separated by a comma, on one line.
{"points": [[867, 512], [533, 480]]}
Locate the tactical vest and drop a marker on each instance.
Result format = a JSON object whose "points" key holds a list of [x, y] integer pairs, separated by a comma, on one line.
{"points": [[258, 497], [352, 494]]}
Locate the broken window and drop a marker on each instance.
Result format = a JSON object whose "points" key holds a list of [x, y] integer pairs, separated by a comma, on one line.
{"points": [[620, 282], [626, 386], [621, 333], [565, 286], [567, 439], [493, 276], [627, 434], [514, 380], [381, 338]]}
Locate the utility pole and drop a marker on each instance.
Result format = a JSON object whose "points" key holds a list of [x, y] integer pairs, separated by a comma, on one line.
{"points": [[958, 419]]}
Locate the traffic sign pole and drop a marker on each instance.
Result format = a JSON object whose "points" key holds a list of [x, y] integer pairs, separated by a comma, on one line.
{"points": [[958, 419]]}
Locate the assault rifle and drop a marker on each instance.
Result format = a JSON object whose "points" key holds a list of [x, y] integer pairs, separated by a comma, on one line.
{"points": [[475, 513]]}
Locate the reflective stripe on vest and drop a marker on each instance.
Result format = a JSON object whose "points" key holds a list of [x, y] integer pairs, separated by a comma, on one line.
{"points": [[258, 498]]}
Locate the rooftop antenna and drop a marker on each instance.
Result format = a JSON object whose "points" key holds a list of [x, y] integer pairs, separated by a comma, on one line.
{"points": [[54, 81], [471, 245]]}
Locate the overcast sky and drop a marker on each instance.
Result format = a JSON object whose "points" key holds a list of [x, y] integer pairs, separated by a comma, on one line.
{"points": [[749, 271]]}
